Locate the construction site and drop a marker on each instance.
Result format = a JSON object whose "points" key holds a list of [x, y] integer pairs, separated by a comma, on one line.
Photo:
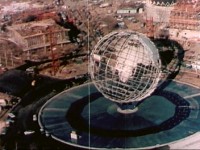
{"points": [[39, 32], [54, 38], [178, 21]]}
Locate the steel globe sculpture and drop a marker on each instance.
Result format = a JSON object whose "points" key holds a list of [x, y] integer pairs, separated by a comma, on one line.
{"points": [[125, 67]]}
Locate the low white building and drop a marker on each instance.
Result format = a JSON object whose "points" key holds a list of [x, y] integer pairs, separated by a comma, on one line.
{"points": [[130, 10], [127, 11], [105, 5], [196, 65]]}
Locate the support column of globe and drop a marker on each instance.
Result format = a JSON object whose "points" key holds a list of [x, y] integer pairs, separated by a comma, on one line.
{"points": [[125, 68]]}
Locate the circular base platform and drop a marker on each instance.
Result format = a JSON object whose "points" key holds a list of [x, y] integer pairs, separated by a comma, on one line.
{"points": [[82, 117]]}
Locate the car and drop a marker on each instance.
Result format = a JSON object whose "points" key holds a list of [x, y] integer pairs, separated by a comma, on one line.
{"points": [[188, 66], [47, 133], [4, 131], [11, 115], [31, 69], [9, 121], [34, 117], [29, 132]]}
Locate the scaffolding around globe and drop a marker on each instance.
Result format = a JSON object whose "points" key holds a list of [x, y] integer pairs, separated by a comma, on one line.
{"points": [[125, 67]]}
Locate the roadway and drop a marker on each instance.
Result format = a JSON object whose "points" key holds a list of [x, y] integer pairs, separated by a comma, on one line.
{"points": [[32, 99]]}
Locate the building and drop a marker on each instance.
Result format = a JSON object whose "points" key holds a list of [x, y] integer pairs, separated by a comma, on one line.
{"points": [[159, 11], [185, 15], [32, 41], [130, 9], [181, 18], [162, 2]]}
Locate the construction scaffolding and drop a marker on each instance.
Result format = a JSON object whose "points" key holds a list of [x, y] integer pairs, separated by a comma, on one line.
{"points": [[9, 54], [150, 28], [185, 15], [54, 51]]}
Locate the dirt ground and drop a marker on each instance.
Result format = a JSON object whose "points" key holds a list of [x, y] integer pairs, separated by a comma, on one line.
{"points": [[189, 77]]}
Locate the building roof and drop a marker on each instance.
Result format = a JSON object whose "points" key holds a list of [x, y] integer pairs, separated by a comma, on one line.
{"points": [[131, 5], [163, 2], [35, 27]]}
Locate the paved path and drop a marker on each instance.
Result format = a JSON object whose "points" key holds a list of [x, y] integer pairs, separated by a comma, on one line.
{"points": [[190, 96], [192, 142]]}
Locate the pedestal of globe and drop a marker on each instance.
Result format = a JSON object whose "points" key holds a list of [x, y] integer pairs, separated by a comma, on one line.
{"points": [[107, 116], [127, 111], [127, 108]]}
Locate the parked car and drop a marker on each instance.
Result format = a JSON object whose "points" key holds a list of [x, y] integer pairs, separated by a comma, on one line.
{"points": [[4, 131], [11, 115], [29, 132]]}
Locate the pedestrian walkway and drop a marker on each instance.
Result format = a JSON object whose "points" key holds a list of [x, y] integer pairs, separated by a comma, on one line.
{"points": [[190, 96]]}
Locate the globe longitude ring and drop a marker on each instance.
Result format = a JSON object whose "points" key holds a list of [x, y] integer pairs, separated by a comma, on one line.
{"points": [[125, 67]]}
